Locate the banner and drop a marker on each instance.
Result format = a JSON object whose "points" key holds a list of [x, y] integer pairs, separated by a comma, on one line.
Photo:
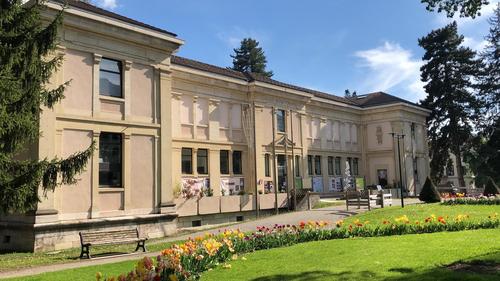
{"points": [[298, 183], [232, 186], [360, 183], [317, 184]]}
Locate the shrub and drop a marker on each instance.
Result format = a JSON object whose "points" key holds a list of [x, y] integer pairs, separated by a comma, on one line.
{"points": [[429, 193], [491, 188]]}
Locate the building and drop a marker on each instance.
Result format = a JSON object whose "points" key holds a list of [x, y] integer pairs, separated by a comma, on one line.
{"points": [[167, 125]]}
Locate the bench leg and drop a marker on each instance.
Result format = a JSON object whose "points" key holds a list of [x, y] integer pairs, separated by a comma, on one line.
{"points": [[85, 251], [141, 245]]}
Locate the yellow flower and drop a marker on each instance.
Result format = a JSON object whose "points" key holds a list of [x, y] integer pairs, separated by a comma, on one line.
{"points": [[226, 266], [243, 258], [173, 277], [234, 257], [98, 276]]}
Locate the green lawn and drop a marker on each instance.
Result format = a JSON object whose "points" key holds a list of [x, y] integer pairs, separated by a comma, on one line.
{"points": [[421, 211], [324, 204], [11, 261], [407, 257]]}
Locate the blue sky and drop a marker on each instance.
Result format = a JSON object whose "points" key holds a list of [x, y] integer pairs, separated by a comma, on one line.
{"points": [[326, 45]]}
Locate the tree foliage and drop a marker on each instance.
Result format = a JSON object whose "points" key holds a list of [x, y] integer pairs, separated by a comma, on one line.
{"points": [[448, 72], [429, 192], [466, 8], [249, 57], [27, 61], [491, 188]]}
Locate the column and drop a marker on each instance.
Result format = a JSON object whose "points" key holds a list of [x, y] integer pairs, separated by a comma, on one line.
{"points": [[94, 208], [214, 171], [95, 92], [127, 88], [167, 181], [127, 172], [213, 123]]}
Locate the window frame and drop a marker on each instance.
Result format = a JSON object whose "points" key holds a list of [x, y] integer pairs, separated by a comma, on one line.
{"points": [[283, 118], [297, 166], [201, 157], [317, 165], [102, 150], [338, 167], [355, 163], [224, 172], [331, 166], [120, 73], [235, 160], [310, 165], [267, 167], [190, 172]]}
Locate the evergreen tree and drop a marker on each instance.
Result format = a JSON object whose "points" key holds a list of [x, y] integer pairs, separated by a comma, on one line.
{"points": [[491, 188], [448, 72], [249, 57], [484, 155], [27, 62], [467, 8], [429, 192]]}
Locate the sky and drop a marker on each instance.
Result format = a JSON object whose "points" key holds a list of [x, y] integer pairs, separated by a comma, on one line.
{"points": [[325, 45]]}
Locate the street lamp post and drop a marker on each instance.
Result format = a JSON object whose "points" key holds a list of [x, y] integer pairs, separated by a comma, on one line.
{"points": [[398, 137]]}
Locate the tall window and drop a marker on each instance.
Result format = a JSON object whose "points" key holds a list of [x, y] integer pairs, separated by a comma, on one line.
{"points": [[338, 172], [237, 168], [310, 165], [224, 162], [110, 160], [355, 166], [280, 118], [330, 165], [187, 161], [317, 165], [267, 170], [297, 165], [202, 161], [110, 78]]}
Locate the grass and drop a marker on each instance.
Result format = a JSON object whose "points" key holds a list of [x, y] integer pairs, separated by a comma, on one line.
{"points": [[12, 261], [325, 204], [407, 257], [421, 211]]}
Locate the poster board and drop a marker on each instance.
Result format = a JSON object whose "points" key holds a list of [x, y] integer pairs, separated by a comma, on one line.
{"points": [[232, 186], [317, 184], [360, 183], [298, 183], [193, 187], [335, 184]]}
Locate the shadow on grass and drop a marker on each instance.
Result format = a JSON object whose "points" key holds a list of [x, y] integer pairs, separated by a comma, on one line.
{"points": [[318, 275]]}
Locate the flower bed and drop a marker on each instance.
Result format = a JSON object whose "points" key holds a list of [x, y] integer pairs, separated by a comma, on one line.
{"points": [[479, 200], [188, 260]]}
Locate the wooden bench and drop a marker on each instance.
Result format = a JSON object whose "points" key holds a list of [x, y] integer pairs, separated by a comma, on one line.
{"points": [[367, 198], [89, 238]]}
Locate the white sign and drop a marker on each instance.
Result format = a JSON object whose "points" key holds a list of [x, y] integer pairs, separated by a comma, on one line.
{"points": [[317, 184]]}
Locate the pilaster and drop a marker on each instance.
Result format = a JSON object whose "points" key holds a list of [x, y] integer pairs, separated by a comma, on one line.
{"points": [[94, 208], [95, 89]]}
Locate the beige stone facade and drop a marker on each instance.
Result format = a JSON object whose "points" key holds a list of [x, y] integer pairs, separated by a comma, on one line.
{"points": [[172, 110]]}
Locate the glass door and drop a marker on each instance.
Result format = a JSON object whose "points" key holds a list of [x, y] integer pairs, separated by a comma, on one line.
{"points": [[282, 173]]}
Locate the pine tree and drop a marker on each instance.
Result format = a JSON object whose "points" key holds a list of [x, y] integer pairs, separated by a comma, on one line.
{"points": [[491, 188], [249, 57], [484, 155], [27, 61], [429, 192], [467, 8], [448, 72]]}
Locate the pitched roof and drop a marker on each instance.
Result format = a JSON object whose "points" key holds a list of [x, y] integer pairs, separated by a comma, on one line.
{"points": [[249, 77], [94, 9], [379, 98]]}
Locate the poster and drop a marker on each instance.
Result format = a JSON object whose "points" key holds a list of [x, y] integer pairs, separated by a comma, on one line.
{"points": [[360, 183], [331, 184], [335, 184], [232, 186], [317, 184], [194, 187], [298, 183]]}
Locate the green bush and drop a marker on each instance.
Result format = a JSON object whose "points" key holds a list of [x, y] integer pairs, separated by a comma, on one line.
{"points": [[491, 188], [429, 193]]}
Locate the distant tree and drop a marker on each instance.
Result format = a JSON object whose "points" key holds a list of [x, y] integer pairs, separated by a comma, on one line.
{"points": [[466, 8], [484, 156], [429, 192], [27, 62], [348, 94], [249, 57], [448, 73]]}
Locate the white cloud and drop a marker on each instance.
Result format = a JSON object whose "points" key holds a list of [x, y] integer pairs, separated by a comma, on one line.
{"points": [[390, 66], [476, 45], [107, 4], [234, 36]]}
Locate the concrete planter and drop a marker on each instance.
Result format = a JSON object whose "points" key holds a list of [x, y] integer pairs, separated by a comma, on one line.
{"points": [[282, 201], [230, 204], [267, 201], [209, 205], [186, 207], [247, 202]]}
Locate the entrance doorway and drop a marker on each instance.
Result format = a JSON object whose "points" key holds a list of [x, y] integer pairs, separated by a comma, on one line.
{"points": [[282, 173]]}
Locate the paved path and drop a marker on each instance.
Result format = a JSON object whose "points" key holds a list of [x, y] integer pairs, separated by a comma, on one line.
{"points": [[330, 214]]}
